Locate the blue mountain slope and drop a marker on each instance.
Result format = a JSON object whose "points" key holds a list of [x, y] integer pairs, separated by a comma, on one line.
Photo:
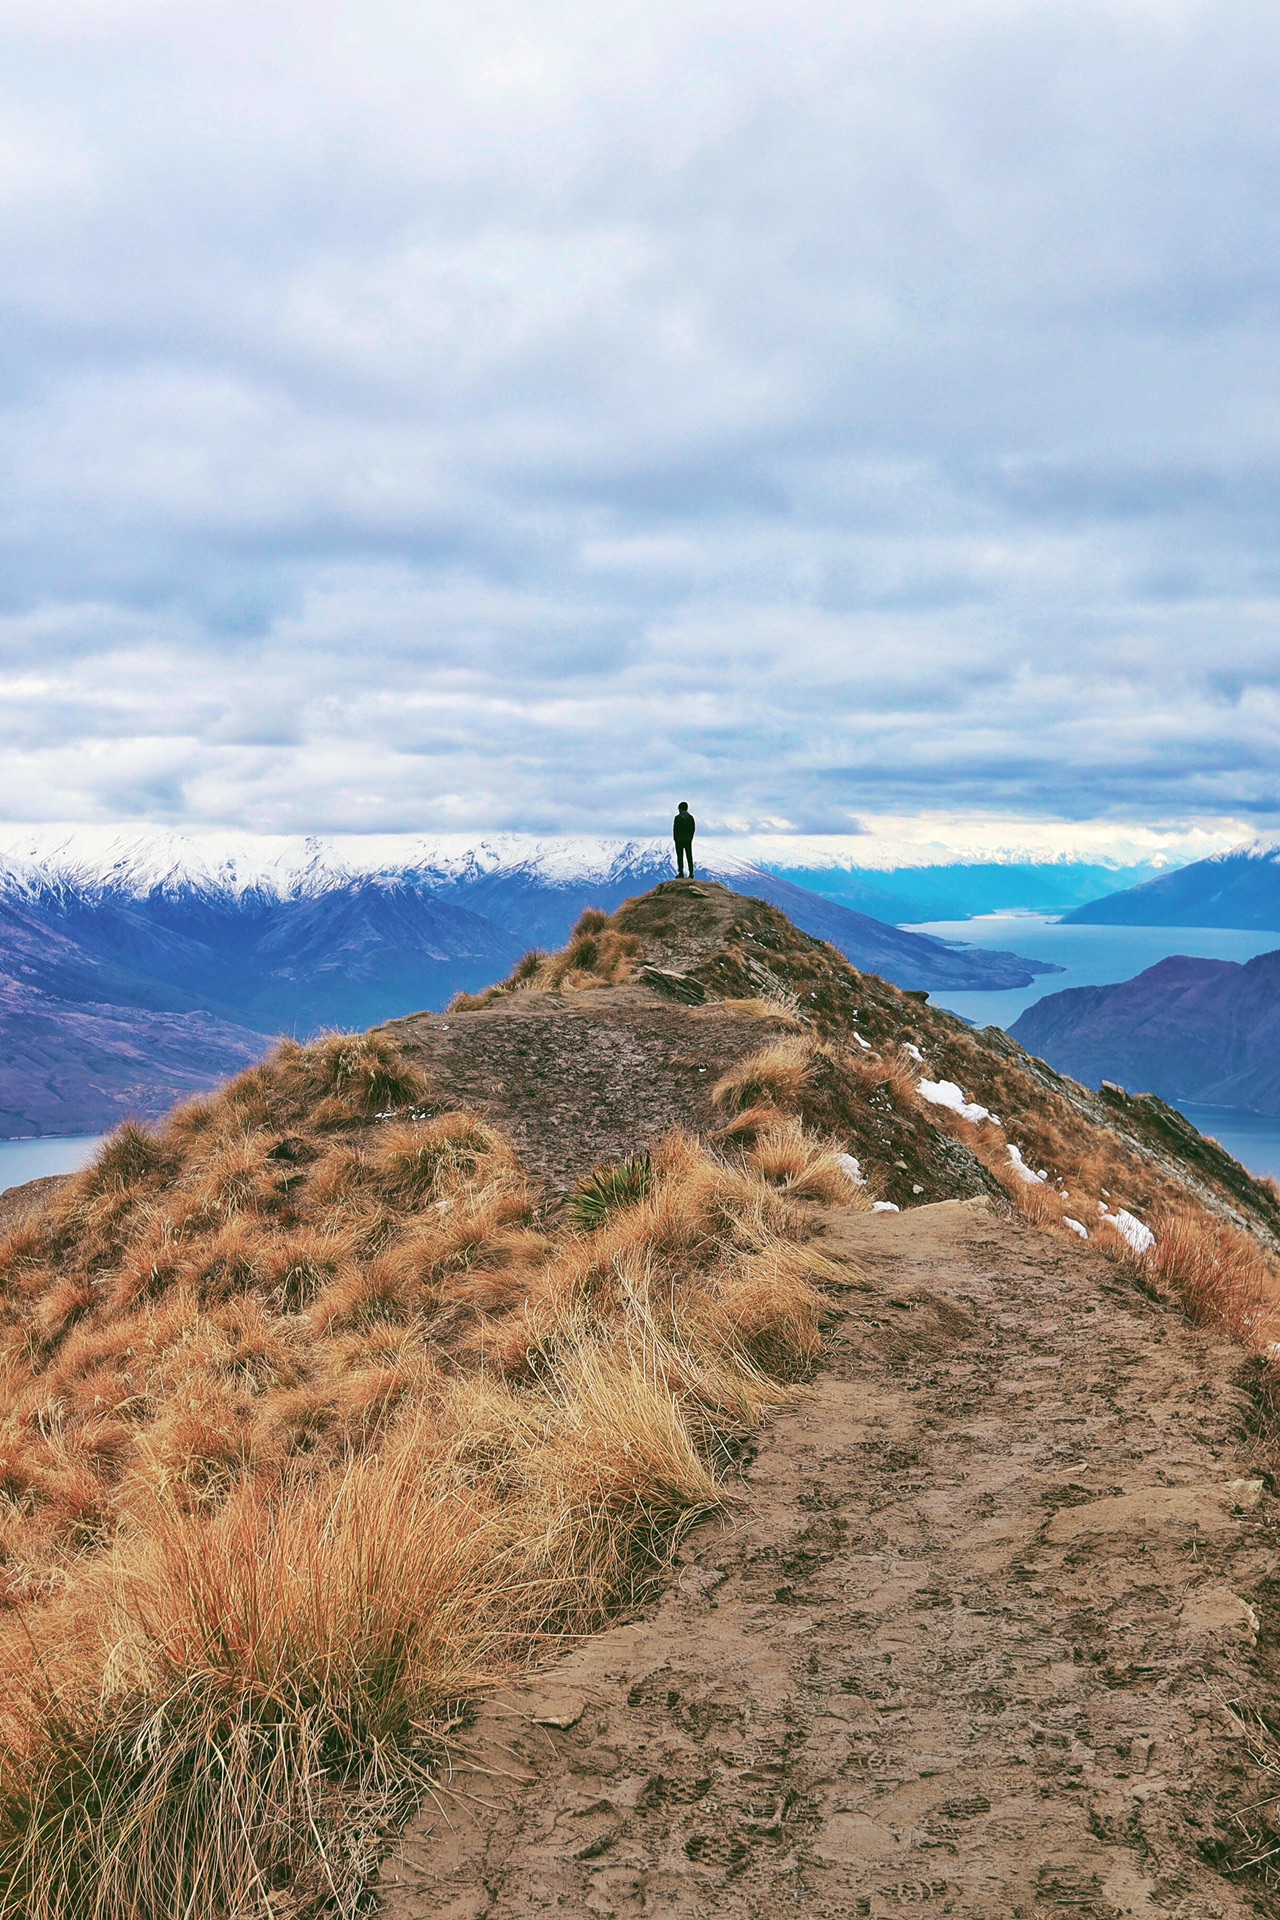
{"points": [[1240, 888], [363, 948], [907, 895], [1186, 1029], [907, 959], [349, 957]]}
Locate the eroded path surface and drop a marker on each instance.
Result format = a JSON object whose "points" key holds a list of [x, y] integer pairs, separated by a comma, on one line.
{"points": [[969, 1647]]}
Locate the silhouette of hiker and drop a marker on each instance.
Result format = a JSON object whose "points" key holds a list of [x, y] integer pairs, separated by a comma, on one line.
{"points": [[683, 828]]}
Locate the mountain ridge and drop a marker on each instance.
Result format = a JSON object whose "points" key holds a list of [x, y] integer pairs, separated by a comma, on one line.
{"points": [[1239, 887], [1186, 1029], [415, 1360]]}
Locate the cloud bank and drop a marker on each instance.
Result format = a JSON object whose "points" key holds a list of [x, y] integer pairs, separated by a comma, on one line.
{"points": [[444, 419]]}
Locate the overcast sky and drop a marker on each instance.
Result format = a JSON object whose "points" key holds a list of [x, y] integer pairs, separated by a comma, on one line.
{"points": [[438, 416]]}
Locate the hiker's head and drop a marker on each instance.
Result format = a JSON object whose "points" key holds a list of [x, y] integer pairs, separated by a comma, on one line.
{"points": [[683, 807]]}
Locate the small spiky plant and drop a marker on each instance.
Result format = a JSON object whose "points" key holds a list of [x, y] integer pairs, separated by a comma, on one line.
{"points": [[607, 1188]]}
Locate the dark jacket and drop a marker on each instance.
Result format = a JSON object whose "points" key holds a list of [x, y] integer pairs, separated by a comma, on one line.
{"points": [[683, 828]]}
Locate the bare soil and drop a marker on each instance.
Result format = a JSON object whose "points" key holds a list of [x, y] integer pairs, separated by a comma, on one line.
{"points": [[986, 1635], [581, 1078]]}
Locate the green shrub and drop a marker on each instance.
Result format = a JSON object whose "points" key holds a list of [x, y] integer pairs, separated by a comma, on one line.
{"points": [[609, 1187]]}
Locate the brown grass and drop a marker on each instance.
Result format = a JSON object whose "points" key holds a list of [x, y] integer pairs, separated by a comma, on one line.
{"points": [[1221, 1276], [597, 955], [774, 1076], [306, 1432], [781, 1012], [791, 1159]]}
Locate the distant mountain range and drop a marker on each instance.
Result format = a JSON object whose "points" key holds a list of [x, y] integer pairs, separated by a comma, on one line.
{"points": [[908, 895], [156, 936], [1204, 1030], [1239, 888]]}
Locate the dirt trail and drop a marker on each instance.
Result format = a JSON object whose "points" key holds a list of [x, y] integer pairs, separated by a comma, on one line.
{"points": [[967, 1647]]}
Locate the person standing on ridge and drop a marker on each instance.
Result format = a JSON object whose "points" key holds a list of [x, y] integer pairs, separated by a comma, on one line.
{"points": [[683, 828]]}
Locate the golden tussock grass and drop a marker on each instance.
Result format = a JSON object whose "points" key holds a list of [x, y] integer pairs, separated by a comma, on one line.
{"points": [[1223, 1277], [791, 1159], [896, 1073], [307, 1432], [774, 1075], [598, 955], [783, 1011]]}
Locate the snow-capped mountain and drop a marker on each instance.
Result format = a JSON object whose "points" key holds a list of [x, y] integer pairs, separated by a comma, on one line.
{"points": [[141, 863], [1238, 888], [341, 907]]}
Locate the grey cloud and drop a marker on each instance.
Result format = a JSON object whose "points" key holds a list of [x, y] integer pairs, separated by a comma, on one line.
{"points": [[826, 409]]}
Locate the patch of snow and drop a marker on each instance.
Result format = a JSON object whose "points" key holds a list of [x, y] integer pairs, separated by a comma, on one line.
{"points": [[945, 1093], [884, 1206], [1076, 1226], [913, 1051], [1139, 1237], [1023, 1171], [848, 1164], [864, 1044]]}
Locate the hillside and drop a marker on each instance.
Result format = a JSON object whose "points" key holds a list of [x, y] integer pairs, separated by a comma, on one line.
{"points": [[1204, 1030], [1239, 888], [78, 1067], [340, 1406]]}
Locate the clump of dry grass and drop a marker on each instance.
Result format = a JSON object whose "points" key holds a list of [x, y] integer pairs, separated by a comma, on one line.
{"points": [[773, 1076], [791, 1159], [306, 1431], [783, 1010], [1222, 1276], [598, 955], [894, 1073]]}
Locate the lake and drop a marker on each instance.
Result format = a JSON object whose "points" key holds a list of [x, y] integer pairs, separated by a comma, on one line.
{"points": [[1097, 957], [1091, 956], [23, 1160]]}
